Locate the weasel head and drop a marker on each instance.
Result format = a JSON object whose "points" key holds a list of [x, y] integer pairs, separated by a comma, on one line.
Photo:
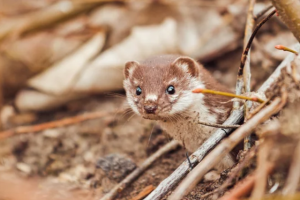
{"points": [[160, 87]]}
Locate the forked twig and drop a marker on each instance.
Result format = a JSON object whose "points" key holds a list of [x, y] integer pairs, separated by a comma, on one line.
{"points": [[220, 151], [139, 170]]}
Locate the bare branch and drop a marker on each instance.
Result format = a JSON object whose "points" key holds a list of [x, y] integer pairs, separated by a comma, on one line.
{"points": [[218, 153], [54, 124], [261, 13], [247, 69]]}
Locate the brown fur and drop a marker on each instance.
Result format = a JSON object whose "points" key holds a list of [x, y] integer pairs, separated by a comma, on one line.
{"points": [[177, 113]]}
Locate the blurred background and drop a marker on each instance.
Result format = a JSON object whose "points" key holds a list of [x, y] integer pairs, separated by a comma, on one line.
{"points": [[60, 59]]}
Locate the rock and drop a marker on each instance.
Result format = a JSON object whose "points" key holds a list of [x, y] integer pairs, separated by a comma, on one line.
{"points": [[116, 166]]}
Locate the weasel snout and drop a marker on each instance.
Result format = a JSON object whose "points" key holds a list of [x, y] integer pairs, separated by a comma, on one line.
{"points": [[150, 108]]}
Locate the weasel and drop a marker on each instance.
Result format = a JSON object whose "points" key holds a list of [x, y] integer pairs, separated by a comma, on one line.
{"points": [[160, 88]]}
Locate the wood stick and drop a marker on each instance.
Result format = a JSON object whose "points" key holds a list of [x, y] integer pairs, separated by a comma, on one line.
{"points": [[227, 94], [144, 192], [54, 124], [218, 153], [245, 186], [261, 13], [139, 170], [235, 117], [247, 69]]}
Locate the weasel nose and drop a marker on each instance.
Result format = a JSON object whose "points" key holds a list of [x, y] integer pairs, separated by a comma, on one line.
{"points": [[150, 108]]}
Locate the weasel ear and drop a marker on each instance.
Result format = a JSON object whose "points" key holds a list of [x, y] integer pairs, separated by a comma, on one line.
{"points": [[129, 68], [187, 65]]}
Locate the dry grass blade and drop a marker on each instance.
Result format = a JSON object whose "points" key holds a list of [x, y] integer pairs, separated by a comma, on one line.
{"points": [[138, 171], [215, 156]]}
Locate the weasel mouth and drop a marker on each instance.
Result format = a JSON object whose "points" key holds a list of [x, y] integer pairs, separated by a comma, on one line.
{"points": [[151, 116]]}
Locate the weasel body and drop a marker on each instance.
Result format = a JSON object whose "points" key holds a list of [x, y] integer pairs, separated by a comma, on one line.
{"points": [[160, 88]]}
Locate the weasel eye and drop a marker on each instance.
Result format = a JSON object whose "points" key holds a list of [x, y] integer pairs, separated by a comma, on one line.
{"points": [[170, 89], [138, 91]]}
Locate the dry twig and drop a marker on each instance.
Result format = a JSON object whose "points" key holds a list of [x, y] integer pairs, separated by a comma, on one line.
{"points": [[202, 90], [144, 192], [261, 13], [247, 70], [234, 172], [244, 187], [167, 184], [54, 124], [139, 170], [283, 48], [216, 155]]}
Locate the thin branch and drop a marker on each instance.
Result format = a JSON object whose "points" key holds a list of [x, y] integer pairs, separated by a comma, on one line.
{"points": [[218, 125], [144, 192], [138, 171], [218, 153], [261, 13], [54, 124], [247, 48], [235, 117], [283, 48], [234, 172], [245, 186], [240, 82], [227, 94], [247, 69]]}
